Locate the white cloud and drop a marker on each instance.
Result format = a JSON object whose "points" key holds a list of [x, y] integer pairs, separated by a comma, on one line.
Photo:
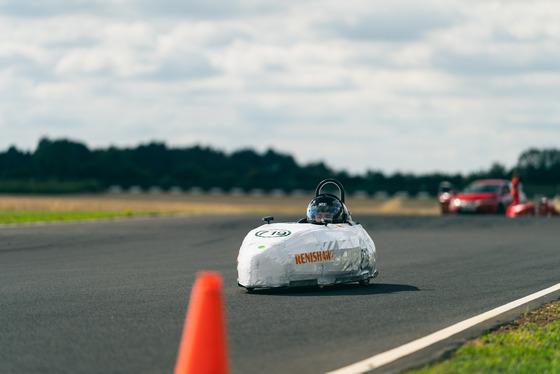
{"points": [[405, 85]]}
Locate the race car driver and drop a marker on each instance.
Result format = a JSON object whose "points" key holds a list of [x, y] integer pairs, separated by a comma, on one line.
{"points": [[325, 207]]}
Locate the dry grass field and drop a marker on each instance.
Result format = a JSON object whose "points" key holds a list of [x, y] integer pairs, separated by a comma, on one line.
{"points": [[203, 204]]}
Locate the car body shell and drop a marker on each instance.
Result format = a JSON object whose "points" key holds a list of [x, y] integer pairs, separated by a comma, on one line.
{"points": [[491, 196], [306, 254], [520, 210]]}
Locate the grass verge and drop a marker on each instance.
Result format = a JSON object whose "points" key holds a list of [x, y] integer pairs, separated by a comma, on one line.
{"points": [[203, 204], [26, 217], [530, 344]]}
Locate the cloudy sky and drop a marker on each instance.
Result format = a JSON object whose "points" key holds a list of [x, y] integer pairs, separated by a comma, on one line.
{"points": [[402, 85]]}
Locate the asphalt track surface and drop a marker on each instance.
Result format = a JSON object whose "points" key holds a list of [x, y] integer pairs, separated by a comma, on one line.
{"points": [[111, 296]]}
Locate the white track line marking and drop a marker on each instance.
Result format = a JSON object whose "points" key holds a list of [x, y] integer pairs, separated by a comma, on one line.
{"points": [[416, 345]]}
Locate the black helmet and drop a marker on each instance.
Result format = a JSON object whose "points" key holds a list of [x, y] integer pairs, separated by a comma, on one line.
{"points": [[325, 206]]}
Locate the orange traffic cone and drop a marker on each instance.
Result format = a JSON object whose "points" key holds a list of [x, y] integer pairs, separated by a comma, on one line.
{"points": [[203, 344]]}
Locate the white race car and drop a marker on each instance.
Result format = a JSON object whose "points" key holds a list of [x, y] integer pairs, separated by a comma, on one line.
{"points": [[325, 248]]}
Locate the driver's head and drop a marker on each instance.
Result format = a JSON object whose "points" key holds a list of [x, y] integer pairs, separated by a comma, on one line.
{"points": [[325, 206]]}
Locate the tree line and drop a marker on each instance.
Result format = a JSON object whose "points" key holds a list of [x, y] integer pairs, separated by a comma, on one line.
{"points": [[63, 165]]}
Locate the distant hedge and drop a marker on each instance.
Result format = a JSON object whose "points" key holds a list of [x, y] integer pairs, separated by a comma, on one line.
{"points": [[49, 186]]}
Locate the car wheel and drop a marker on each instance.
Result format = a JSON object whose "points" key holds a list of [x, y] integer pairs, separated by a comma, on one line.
{"points": [[364, 282]]}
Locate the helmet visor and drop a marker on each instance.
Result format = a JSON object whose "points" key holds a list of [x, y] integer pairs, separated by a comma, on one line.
{"points": [[323, 210]]}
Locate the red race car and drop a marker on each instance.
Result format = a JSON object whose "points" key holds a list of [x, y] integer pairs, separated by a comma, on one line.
{"points": [[491, 196], [545, 208]]}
